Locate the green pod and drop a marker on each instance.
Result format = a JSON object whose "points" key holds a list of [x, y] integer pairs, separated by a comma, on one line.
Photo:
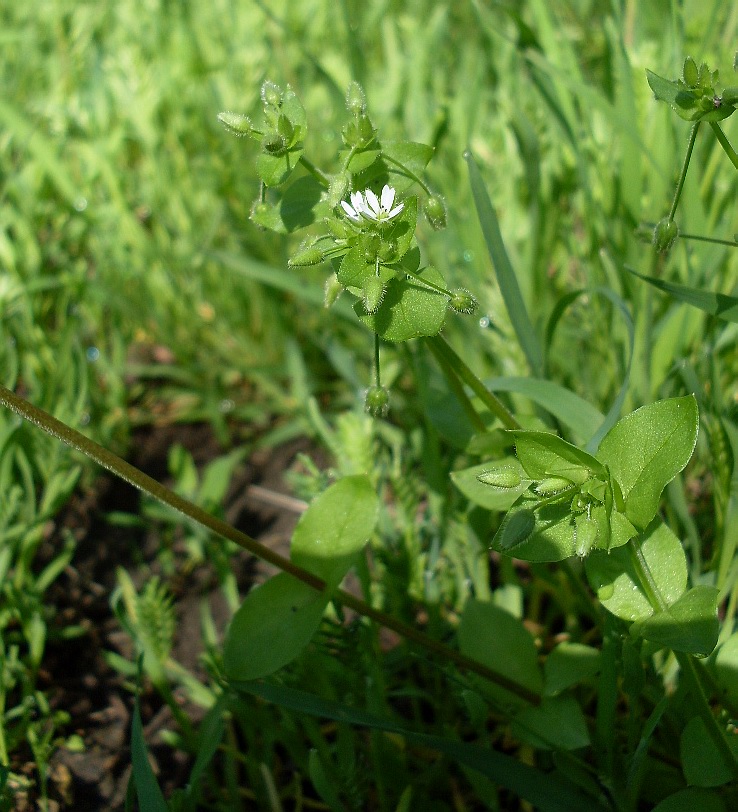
{"points": [[503, 478]]}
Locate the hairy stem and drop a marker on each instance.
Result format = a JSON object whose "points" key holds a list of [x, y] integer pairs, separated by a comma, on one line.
{"points": [[318, 174], [685, 166], [724, 143], [490, 400], [687, 663], [458, 388], [145, 483]]}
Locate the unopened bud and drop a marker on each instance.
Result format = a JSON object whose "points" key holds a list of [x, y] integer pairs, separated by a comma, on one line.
{"points": [[333, 289], [235, 123], [373, 289], [551, 486], [376, 401], [271, 94], [435, 212], [306, 254], [505, 478], [462, 301], [665, 234], [356, 98], [338, 188]]}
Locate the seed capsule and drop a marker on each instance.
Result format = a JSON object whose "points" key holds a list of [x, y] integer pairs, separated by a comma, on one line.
{"points": [[502, 478], [552, 485]]}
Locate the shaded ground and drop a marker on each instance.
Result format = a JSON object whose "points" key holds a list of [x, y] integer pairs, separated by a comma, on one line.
{"points": [[75, 674]]}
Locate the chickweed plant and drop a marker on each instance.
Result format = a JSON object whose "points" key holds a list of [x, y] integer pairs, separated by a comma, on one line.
{"points": [[627, 698]]}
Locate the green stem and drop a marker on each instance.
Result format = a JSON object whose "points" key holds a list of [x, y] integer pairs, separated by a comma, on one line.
{"points": [[145, 483], [458, 389], [645, 576], [685, 166], [377, 379], [702, 706], [406, 172], [318, 174], [428, 283], [715, 240], [724, 143], [686, 662], [491, 401]]}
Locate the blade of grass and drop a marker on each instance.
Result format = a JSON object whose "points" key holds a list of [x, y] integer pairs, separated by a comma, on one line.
{"points": [[506, 278], [716, 304], [281, 279], [149, 794], [546, 791], [566, 406]]}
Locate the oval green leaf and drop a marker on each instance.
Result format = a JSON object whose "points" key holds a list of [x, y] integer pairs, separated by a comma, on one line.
{"points": [[335, 527], [495, 638], [647, 449], [271, 627], [690, 624], [612, 576], [488, 496]]}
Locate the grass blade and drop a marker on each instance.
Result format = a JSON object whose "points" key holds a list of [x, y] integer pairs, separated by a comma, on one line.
{"points": [[716, 304], [567, 407], [503, 268], [548, 792], [150, 796]]}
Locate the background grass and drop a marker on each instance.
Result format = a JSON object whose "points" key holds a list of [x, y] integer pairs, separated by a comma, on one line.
{"points": [[135, 291]]}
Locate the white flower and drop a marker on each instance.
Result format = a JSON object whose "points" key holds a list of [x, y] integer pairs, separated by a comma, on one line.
{"points": [[367, 205]]}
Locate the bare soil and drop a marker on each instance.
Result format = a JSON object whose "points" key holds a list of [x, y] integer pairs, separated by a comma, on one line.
{"points": [[75, 674]]}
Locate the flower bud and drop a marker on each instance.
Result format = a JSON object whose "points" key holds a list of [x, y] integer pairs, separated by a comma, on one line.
{"points": [[306, 254], [462, 301], [356, 99], [333, 289], [551, 486], [503, 478], [339, 229], [376, 401], [235, 123], [665, 234], [435, 212], [271, 94], [373, 293], [338, 188]]}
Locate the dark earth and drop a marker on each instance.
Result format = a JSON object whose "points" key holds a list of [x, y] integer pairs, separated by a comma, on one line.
{"points": [[75, 675]]}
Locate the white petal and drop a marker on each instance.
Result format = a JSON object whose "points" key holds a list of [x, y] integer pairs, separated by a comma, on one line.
{"points": [[397, 209], [388, 197], [349, 211], [371, 199], [357, 198]]}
